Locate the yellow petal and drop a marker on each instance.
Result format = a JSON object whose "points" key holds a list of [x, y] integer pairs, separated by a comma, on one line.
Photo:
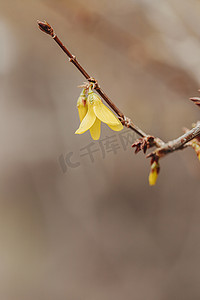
{"points": [[153, 177], [87, 122], [116, 127], [103, 113], [82, 111], [82, 105], [95, 130]]}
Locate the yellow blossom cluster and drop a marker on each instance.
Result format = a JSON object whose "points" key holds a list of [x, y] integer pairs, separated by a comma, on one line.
{"points": [[92, 112]]}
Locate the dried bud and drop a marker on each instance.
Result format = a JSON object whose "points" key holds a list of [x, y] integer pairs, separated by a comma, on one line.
{"points": [[44, 26], [143, 144]]}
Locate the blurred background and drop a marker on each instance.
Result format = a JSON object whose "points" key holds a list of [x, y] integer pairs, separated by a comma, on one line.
{"points": [[78, 219]]}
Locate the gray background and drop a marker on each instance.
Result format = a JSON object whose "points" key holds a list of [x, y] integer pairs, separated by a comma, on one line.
{"points": [[98, 231]]}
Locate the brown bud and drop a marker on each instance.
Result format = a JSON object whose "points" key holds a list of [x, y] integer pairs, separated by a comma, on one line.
{"points": [[143, 144], [44, 26]]}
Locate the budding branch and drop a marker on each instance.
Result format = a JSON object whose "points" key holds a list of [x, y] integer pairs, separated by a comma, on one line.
{"points": [[146, 141]]}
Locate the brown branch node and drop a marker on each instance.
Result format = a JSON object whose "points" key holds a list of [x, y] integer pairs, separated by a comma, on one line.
{"points": [[95, 84], [144, 143], [72, 59]]}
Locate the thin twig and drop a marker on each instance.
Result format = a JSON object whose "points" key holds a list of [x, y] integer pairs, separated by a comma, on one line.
{"points": [[146, 141], [45, 27]]}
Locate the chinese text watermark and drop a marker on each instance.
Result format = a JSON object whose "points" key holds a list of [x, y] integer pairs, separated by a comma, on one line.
{"points": [[109, 144]]}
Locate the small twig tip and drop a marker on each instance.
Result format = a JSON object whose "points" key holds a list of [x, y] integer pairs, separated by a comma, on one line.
{"points": [[45, 27]]}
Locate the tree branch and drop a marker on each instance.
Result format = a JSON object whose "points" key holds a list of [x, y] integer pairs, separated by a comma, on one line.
{"points": [[146, 141], [177, 144], [45, 27]]}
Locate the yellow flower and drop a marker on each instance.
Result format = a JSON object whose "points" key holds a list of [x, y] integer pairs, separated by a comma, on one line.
{"points": [[153, 177], [155, 168], [93, 113]]}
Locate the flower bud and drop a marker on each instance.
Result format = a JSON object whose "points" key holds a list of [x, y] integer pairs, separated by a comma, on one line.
{"points": [[82, 105], [155, 168]]}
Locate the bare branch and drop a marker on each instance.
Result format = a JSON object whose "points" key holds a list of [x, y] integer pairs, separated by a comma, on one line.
{"points": [[177, 144], [146, 141], [45, 27]]}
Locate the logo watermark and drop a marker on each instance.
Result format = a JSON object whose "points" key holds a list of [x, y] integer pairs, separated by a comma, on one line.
{"points": [[110, 144]]}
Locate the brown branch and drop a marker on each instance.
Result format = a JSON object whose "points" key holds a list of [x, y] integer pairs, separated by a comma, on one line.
{"points": [[45, 27], [177, 144], [146, 141]]}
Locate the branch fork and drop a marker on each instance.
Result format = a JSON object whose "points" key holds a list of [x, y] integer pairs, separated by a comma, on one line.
{"points": [[145, 142]]}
